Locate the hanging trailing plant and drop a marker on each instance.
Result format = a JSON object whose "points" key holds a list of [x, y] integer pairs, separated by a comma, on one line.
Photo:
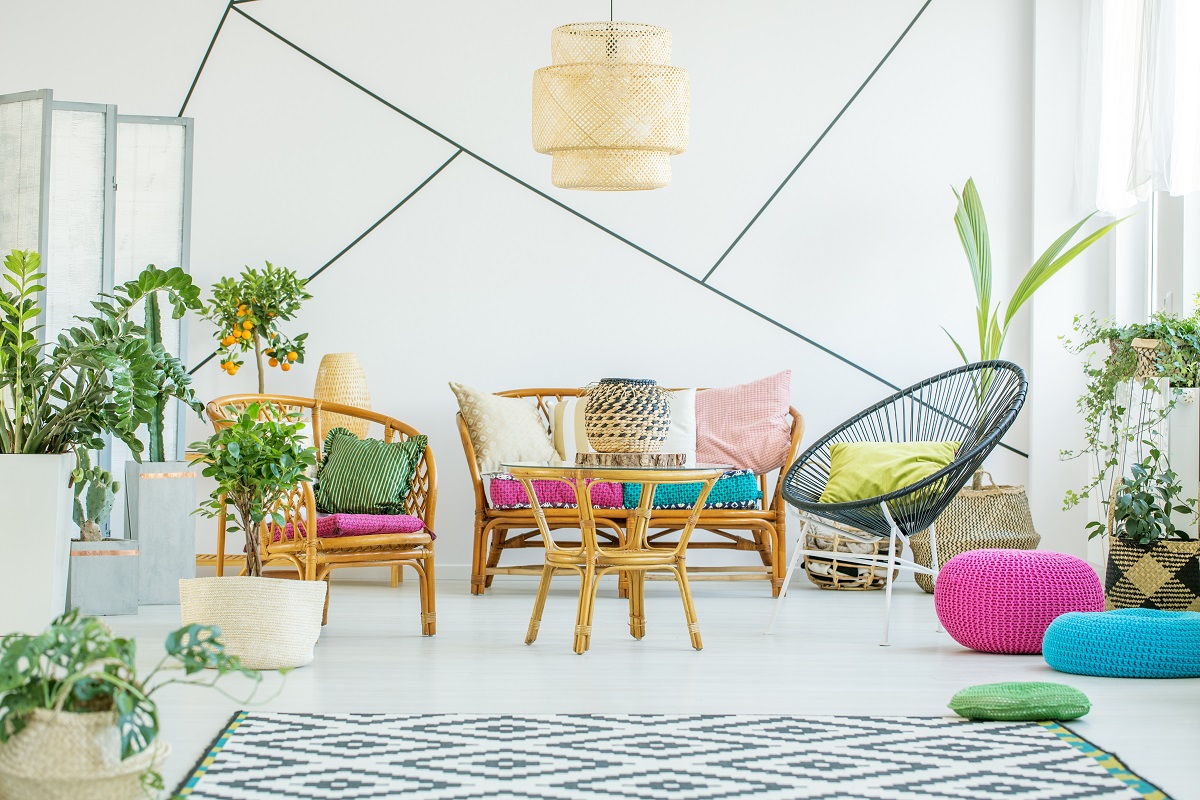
{"points": [[248, 312]]}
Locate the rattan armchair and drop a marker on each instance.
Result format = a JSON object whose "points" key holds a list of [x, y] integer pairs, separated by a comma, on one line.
{"points": [[973, 405], [314, 558]]}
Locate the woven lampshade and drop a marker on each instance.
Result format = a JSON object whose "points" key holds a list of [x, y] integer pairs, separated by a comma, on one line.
{"points": [[611, 109], [340, 379]]}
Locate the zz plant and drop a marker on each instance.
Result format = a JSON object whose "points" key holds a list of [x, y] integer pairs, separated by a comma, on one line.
{"points": [[106, 375], [255, 459], [77, 665]]}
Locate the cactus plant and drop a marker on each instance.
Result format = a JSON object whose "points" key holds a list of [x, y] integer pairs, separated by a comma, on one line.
{"points": [[92, 506], [154, 428]]}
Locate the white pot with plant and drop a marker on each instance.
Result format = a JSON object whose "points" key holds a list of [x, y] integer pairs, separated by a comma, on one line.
{"points": [[60, 398], [77, 721], [996, 515], [256, 458]]}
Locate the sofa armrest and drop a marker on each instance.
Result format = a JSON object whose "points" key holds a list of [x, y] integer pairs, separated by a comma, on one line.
{"points": [[793, 454]]}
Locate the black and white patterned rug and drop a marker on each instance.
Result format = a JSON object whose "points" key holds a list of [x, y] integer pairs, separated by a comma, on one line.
{"points": [[263, 756]]}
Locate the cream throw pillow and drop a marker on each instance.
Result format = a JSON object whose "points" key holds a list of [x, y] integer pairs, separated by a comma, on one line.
{"points": [[503, 429]]}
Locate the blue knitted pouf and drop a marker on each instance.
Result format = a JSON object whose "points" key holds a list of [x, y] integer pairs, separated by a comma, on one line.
{"points": [[1128, 643]]}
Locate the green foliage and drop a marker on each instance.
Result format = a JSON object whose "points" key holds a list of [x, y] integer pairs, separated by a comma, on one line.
{"points": [[154, 428], [1109, 426], [77, 665], [1144, 501], [971, 223], [255, 460], [95, 492], [248, 312], [101, 376]]}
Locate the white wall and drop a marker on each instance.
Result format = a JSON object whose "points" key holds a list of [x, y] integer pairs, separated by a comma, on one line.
{"points": [[479, 280]]}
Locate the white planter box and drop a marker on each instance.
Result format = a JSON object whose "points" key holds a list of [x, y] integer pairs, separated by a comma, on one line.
{"points": [[35, 540], [159, 500]]}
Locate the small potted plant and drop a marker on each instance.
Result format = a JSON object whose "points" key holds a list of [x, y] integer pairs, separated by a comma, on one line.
{"points": [[1151, 562], [257, 460], [78, 721], [248, 312], [104, 572]]}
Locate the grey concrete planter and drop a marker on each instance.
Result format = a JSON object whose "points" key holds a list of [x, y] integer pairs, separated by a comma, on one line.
{"points": [[159, 500], [104, 577]]}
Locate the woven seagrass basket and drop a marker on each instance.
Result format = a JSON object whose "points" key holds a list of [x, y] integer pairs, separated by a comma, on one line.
{"points": [[833, 574], [1163, 575], [67, 756], [269, 623], [978, 517], [627, 415]]}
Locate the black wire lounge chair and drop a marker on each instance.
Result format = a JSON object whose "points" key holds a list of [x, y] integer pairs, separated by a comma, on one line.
{"points": [[974, 405]]}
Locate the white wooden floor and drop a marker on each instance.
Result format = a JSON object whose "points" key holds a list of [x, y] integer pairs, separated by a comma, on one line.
{"points": [[823, 659]]}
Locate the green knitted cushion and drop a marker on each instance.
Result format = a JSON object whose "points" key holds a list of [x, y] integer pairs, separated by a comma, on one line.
{"points": [[1029, 700], [366, 476]]}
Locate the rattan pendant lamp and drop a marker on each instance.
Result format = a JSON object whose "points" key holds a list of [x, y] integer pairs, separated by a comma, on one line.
{"points": [[610, 109]]}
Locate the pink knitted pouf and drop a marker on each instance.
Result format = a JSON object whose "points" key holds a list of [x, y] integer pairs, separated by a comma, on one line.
{"points": [[1002, 601]]}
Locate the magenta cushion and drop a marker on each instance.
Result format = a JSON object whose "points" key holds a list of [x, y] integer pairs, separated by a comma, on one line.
{"points": [[507, 492], [332, 526], [1002, 601]]}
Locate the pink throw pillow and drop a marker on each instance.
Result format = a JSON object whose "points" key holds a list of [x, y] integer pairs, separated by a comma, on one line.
{"points": [[746, 426], [507, 492]]}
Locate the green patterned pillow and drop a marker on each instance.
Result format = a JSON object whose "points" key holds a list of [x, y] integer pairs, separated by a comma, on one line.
{"points": [[366, 476], [1021, 701]]}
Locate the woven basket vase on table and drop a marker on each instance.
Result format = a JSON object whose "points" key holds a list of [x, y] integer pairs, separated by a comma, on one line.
{"points": [[992, 517], [833, 574], [627, 415]]}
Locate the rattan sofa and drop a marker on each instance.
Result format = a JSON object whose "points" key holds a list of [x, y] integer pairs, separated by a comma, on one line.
{"points": [[755, 530]]}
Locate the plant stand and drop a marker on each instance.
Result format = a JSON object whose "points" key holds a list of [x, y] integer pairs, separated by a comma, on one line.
{"points": [[159, 500], [35, 539], [104, 577]]}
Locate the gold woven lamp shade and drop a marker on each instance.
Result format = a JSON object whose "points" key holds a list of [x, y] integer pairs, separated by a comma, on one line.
{"points": [[611, 109], [340, 379]]}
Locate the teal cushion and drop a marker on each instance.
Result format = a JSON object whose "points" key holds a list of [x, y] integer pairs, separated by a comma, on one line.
{"points": [[735, 489], [1030, 700], [366, 476]]}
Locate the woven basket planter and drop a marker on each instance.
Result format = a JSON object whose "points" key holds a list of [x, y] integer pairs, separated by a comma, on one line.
{"points": [[340, 379], [1163, 575], [833, 574], [627, 415], [993, 517], [269, 623], [65, 756]]}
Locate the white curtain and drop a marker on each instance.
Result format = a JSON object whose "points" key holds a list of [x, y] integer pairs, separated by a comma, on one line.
{"points": [[1140, 115]]}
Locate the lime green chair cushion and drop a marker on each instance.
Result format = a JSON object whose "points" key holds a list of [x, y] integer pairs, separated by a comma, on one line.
{"points": [[1030, 700], [861, 470]]}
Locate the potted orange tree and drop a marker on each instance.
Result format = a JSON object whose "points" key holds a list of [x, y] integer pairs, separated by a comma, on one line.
{"points": [[248, 312]]}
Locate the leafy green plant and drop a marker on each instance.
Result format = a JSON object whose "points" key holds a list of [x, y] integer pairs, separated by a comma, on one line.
{"points": [[77, 665], [972, 227], [256, 459], [95, 493], [103, 376], [1108, 401], [248, 312], [1142, 505]]}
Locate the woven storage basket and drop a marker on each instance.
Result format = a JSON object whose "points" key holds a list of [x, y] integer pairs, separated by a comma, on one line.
{"points": [[269, 623], [66, 756], [1163, 575], [994, 517], [832, 574], [1147, 352], [627, 415], [340, 379]]}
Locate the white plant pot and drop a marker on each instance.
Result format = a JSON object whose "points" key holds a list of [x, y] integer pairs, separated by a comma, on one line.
{"points": [[268, 623], [35, 540], [65, 756]]}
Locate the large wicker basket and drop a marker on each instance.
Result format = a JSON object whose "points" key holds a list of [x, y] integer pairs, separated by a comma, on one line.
{"points": [[269, 623], [1163, 574], [829, 573], [978, 517], [66, 756], [627, 415]]}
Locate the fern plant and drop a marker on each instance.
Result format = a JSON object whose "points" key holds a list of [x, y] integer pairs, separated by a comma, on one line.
{"points": [[105, 375]]}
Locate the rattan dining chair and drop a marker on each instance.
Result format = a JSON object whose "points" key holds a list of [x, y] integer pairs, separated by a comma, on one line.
{"points": [[973, 405]]}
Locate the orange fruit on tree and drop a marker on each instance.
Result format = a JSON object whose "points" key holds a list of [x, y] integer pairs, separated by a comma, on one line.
{"points": [[247, 324], [274, 362], [292, 356], [285, 366]]}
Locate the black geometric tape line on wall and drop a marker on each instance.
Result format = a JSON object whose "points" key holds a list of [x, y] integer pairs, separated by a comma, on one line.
{"points": [[463, 149]]}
